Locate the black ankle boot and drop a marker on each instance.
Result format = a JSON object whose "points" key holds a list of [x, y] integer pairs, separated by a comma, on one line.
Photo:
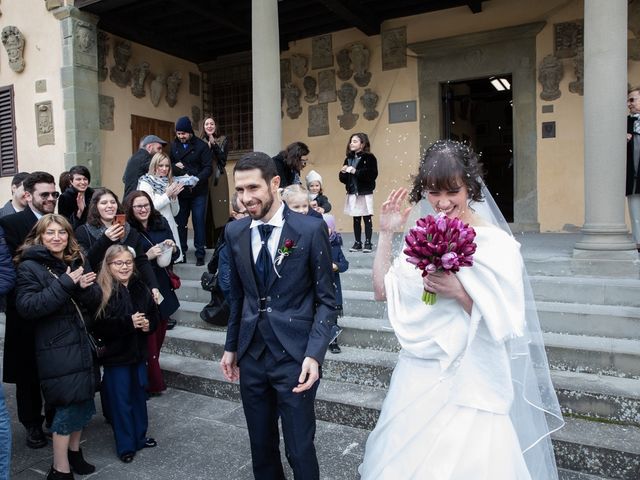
{"points": [[56, 475], [78, 463]]}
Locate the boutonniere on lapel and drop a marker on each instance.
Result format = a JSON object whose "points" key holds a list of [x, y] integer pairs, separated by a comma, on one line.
{"points": [[285, 251]]}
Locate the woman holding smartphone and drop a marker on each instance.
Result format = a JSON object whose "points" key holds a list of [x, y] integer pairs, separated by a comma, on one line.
{"points": [[106, 226]]}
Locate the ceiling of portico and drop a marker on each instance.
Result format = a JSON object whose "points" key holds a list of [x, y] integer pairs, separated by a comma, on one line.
{"points": [[202, 30]]}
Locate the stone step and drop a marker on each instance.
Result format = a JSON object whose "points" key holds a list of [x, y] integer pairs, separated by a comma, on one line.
{"points": [[585, 447], [594, 320], [615, 357], [586, 290], [598, 396], [602, 449], [610, 398]]}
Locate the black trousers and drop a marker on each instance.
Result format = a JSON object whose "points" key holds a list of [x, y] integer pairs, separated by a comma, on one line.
{"points": [[265, 387]]}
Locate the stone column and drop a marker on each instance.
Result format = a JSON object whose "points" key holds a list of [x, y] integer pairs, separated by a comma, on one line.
{"points": [[265, 47], [79, 74], [605, 244]]}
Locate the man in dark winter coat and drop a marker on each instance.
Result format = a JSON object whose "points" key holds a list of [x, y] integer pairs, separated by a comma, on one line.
{"points": [[191, 156], [139, 162], [19, 343]]}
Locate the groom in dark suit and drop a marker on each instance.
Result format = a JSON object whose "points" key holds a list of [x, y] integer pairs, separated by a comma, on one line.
{"points": [[282, 305]]}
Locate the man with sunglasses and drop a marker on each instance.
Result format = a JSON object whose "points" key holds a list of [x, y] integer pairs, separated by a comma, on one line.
{"points": [[19, 344]]}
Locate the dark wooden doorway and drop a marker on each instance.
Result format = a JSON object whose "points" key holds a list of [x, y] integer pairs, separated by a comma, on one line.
{"points": [[143, 126]]}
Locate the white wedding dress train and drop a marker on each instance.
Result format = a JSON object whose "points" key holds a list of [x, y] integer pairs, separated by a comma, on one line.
{"points": [[447, 413]]}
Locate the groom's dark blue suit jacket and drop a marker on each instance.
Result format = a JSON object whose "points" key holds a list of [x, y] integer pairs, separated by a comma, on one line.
{"points": [[300, 304]]}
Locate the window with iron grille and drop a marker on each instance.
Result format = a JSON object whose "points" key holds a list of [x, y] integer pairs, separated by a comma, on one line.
{"points": [[8, 150], [228, 97]]}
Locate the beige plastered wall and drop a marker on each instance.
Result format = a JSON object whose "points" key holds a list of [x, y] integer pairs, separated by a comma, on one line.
{"points": [[116, 144], [561, 159], [397, 146], [43, 57]]}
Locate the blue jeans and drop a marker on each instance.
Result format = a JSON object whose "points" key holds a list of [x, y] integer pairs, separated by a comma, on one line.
{"points": [[5, 436], [197, 206]]}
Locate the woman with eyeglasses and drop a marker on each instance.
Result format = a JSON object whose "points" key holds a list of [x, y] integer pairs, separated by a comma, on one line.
{"points": [[126, 316], [73, 202], [157, 239], [103, 229], [56, 291], [159, 185]]}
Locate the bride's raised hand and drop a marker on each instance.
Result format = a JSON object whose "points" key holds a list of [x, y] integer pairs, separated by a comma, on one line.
{"points": [[393, 213]]}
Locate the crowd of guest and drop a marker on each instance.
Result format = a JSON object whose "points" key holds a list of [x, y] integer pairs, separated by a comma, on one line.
{"points": [[90, 290]]}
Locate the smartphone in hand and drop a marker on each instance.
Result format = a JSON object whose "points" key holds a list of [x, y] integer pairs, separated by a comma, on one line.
{"points": [[120, 219]]}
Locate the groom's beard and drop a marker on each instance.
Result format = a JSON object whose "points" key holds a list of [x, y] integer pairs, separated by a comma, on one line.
{"points": [[266, 206]]}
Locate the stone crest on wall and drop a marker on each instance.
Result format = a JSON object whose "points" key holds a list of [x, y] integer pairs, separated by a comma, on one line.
{"points": [[347, 96], [310, 84], [360, 57], [369, 101], [173, 85], [344, 64], [84, 44], [550, 72], [157, 88], [120, 73], [13, 41], [292, 96], [285, 72], [577, 86], [321, 52], [103, 53], [44, 123], [140, 73], [107, 106], [318, 120], [568, 38], [394, 48], [327, 86], [299, 65]]}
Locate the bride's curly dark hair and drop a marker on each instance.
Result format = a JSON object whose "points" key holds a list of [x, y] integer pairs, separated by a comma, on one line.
{"points": [[445, 164]]}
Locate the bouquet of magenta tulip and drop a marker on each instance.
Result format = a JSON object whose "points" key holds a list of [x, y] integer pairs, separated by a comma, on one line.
{"points": [[439, 244]]}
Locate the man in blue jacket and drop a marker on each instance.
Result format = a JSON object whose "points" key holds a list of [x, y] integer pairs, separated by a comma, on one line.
{"points": [[191, 156], [282, 310]]}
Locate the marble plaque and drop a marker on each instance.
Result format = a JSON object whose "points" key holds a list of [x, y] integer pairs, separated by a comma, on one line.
{"points": [[44, 123], [327, 86], [568, 37], [548, 129], [394, 48], [41, 86], [321, 52], [318, 120], [107, 106], [400, 112]]}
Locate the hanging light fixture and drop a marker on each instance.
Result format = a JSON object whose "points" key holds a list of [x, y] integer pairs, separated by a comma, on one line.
{"points": [[500, 84]]}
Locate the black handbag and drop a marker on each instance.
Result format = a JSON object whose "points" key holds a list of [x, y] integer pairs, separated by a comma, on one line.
{"points": [[216, 312], [209, 281]]}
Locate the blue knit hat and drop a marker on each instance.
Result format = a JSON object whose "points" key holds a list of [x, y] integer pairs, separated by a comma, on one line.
{"points": [[184, 125]]}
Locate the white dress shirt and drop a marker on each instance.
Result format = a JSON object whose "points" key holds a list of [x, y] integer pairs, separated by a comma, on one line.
{"points": [[272, 243]]}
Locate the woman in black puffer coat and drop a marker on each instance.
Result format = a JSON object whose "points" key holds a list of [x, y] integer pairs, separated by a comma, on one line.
{"points": [[56, 290]]}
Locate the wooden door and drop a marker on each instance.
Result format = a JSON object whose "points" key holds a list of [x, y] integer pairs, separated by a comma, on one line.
{"points": [[143, 126]]}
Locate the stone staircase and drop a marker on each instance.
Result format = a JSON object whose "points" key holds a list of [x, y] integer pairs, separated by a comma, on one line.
{"points": [[591, 329]]}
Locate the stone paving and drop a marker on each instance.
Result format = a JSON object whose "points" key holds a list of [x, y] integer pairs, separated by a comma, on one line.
{"points": [[198, 437]]}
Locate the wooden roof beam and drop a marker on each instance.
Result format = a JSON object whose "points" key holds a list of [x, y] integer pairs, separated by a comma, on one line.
{"points": [[355, 14]]}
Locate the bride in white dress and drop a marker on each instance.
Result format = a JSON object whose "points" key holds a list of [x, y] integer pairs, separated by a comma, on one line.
{"points": [[470, 397]]}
